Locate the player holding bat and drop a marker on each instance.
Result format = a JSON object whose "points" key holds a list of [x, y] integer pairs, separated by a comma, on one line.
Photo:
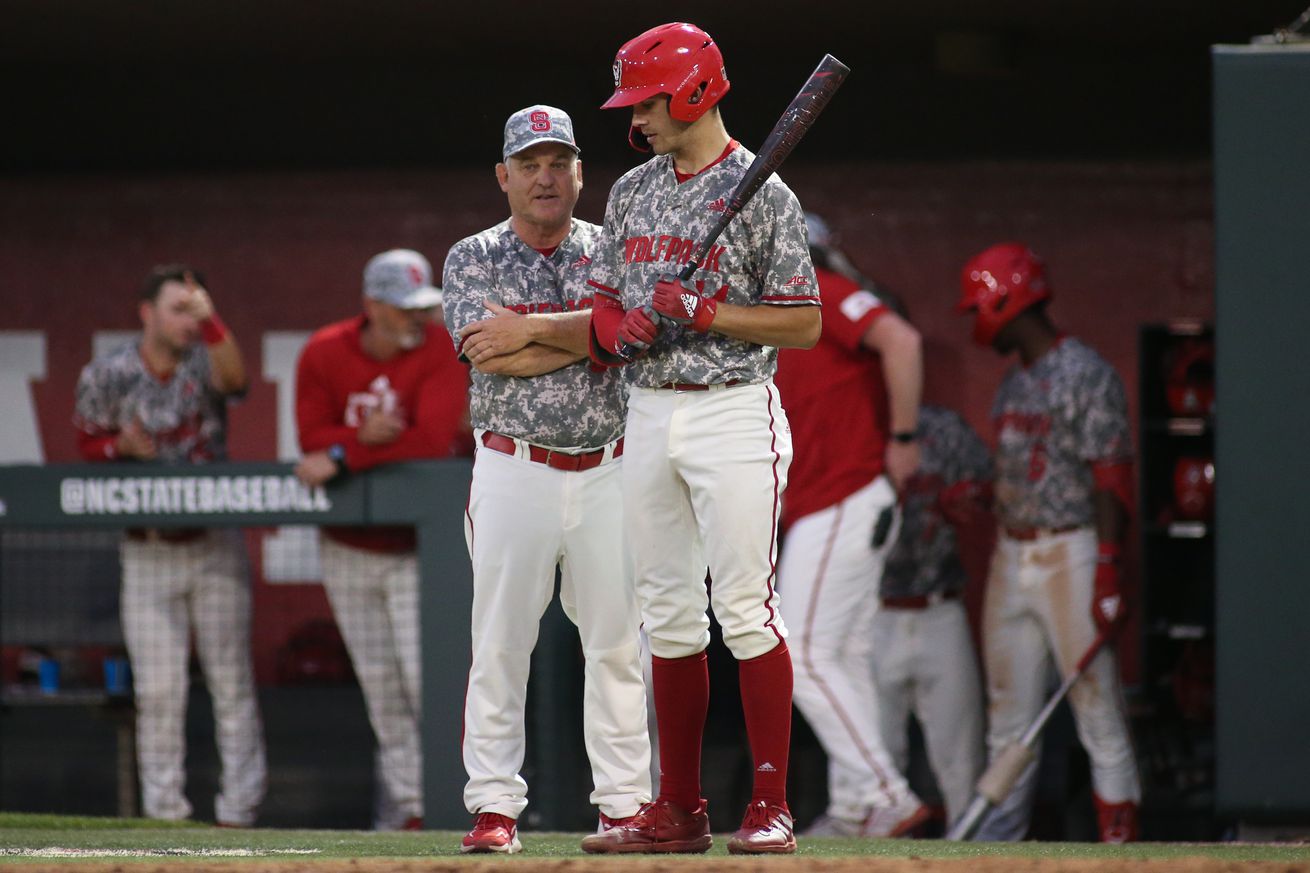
{"points": [[708, 443]]}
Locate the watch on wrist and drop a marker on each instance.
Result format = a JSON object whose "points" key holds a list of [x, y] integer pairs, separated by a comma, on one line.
{"points": [[905, 436], [337, 452]]}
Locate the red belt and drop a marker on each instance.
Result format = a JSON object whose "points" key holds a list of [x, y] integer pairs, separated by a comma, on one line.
{"points": [[167, 535], [552, 458], [692, 386], [919, 601], [1032, 533]]}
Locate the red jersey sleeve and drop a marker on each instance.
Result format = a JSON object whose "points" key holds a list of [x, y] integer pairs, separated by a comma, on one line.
{"points": [[848, 309], [319, 412]]}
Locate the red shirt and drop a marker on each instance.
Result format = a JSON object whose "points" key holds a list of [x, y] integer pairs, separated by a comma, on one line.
{"points": [[836, 401], [338, 384]]}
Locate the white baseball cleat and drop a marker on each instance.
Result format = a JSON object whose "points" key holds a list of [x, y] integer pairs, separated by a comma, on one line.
{"points": [[898, 820]]}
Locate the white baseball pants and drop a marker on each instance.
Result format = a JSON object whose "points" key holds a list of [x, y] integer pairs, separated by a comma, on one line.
{"points": [[829, 574], [924, 664], [375, 600], [523, 519], [703, 474], [168, 588], [1037, 610]]}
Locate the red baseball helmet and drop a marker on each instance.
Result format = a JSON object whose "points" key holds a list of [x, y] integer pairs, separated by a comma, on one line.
{"points": [[674, 59], [1189, 378], [999, 283], [1194, 488]]}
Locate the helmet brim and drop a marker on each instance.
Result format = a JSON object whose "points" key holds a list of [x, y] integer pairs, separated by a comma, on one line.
{"points": [[623, 97]]}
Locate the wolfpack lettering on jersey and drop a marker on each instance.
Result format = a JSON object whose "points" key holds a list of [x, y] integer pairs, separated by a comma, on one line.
{"points": [[573, 407], [184, 415], [924, 559], [1052, 420], [652, 225]]}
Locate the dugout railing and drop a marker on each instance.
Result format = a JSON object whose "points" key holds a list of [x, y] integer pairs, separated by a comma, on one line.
{"points": [[430, 496]]}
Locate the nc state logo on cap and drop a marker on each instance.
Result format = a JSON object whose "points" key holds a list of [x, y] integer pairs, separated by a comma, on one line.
{"points": [[618, 72]]}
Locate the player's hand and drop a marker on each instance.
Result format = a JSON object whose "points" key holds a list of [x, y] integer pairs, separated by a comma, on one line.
{"points": [[316, 469], [504, 333], [682, 304], [197, 303], [380, 428], [134, 441], [1108, 607], [902, 460], [637, 331]]}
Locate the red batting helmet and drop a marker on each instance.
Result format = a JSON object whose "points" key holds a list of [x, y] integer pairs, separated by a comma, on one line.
{"points": [[1194, 488], [1189, 378], [674, 59], [999, 283]]}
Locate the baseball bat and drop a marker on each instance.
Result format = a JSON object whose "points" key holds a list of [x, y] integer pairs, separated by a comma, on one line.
{"points": [[998, 780], [794, 123]]}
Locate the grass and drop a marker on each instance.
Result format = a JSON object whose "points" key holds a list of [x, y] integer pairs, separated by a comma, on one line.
{"points": [[31, 832]]}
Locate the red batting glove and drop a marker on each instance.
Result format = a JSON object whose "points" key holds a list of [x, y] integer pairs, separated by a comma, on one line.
{"points": [[1108, 608], [677, 302], [638, 330]]}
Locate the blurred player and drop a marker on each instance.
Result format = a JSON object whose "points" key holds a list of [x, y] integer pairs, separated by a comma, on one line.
{"points": [[708, 445], [381, 387], [853, 402], [164, 398], [1063, 489], [546, 486], [924, 661]]}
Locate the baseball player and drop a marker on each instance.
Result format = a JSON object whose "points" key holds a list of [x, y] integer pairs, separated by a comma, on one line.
{"points": [[383, 386], [546, 486], [708, 444], [853, 402], [164, 398], [924, 660], [1063, 488]]}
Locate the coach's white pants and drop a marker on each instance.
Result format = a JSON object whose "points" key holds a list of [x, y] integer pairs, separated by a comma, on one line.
{"points": [[829, 574], [167, 589], [703, 473], [1038, 608], [524, 518], [374, 597], [924, 664]]}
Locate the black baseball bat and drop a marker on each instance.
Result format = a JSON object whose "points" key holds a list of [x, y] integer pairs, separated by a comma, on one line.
{"points": [[795, 122]]}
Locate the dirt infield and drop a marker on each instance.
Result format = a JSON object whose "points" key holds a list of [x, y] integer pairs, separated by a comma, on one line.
{"points": [[712, 864]]}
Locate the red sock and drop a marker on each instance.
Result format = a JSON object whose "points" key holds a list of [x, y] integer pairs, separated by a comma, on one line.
{"points": [[682, 698], [766, 703]]}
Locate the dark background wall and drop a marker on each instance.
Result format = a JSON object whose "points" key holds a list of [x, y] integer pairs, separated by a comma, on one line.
{"points": [[155, 84]]}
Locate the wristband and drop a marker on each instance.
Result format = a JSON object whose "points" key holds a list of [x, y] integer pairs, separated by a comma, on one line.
{"points": [[905, 436], [212, 329], [709, 307]]}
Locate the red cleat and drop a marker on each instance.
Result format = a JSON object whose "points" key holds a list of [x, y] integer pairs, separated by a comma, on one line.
{"points": [[492, 832], [658, 827], [766, 829]]}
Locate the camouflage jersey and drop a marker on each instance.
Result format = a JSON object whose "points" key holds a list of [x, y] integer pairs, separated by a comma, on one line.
{"points": [[653, 221], [571, 408], [184, 415], [924, 558], [1052, 420]]}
